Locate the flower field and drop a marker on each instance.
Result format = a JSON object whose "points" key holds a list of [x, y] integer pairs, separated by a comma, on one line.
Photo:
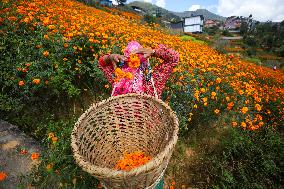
{"points": [[50, 50]]}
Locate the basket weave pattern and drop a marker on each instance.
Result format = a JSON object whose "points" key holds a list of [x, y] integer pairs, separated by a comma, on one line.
{"points": [[124, 124]]}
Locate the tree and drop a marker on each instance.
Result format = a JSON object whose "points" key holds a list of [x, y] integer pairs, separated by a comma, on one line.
{"points": [[121, 2]]}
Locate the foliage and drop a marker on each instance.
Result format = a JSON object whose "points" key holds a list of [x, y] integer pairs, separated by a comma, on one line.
{"points": [[50, 53], [247, 159], [226, 33], [268, 35], [58, 168], [211, 30]]}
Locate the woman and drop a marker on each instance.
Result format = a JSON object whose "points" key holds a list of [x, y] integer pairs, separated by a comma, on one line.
{"points": [[131, 72]]}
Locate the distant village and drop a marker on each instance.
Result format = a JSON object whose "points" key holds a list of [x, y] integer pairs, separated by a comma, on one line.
{"points": [[193, 23]]}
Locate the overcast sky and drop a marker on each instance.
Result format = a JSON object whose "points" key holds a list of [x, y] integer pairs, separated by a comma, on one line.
{"points": [[261, 10]]}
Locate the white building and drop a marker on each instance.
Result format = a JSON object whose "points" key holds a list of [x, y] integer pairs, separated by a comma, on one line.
{"points": [[193, 24]]}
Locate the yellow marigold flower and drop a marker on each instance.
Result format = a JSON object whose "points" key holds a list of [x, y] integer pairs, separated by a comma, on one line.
{"points": [[36, 81], [204, 99], [216, 111], [244, 110], [106, 86], [195, 105], [218, 80], [228, 99], [257, 107]]}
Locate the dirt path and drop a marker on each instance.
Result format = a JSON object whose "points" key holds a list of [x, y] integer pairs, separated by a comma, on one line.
{"points": [[12, 162]]}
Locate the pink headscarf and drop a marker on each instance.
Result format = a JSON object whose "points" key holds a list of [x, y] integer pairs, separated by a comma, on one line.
{"points": [[132, 46]]}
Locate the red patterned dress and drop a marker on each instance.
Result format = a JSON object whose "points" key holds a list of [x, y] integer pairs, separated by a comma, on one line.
{"points": [[140, 83]]}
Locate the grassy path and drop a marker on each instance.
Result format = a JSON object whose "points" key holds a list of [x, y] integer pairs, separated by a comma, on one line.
{"points": [[15, 154]]}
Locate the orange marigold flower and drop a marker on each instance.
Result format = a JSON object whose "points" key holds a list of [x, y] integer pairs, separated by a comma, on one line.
{"points": [[202, 90], [49, 167], [51, 134], [234, 124], [34, 156], [45, 53], [46, 37], [260, 123], [134, 61], [54, 139], [21, 83], [106, 86], [257, 107], [36, 81], [244, 110], [2, 176], [132, 160], [65, 59], [230, 105], [243, 124]]}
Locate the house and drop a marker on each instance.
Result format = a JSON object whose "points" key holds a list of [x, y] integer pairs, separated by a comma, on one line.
{"points": [[138, 10], [233, 23], [106, 3], [210, 23], [193, 24]]}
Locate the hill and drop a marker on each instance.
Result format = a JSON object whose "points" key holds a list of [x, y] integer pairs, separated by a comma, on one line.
{"points": [[153, 9], [169, 15], [207, 14]]}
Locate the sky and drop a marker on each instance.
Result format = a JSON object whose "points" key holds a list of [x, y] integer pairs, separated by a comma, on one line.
{"points": [[261, 10]]}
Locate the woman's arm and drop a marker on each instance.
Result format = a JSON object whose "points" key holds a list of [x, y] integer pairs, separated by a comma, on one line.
{"points": [[107, 63], [163, 71]]}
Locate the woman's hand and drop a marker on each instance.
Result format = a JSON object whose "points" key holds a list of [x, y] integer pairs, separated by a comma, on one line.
{"points": [[147, 52], [114, 59]]}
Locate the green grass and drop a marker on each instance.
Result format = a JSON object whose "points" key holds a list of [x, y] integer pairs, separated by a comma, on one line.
{"points": [[190, 38]]}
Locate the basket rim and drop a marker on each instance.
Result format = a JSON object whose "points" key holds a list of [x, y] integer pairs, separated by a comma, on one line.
{"points": [[104, 172]]}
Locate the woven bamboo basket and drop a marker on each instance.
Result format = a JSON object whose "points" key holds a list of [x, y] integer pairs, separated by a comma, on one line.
{"points": [[120, 124]]}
